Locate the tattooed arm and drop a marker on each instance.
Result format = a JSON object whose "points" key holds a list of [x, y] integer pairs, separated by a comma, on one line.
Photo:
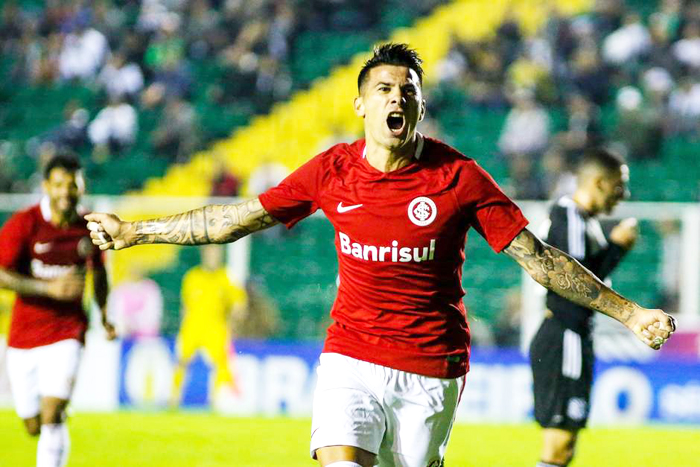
{"points": [[211, 224], [560, 273]]}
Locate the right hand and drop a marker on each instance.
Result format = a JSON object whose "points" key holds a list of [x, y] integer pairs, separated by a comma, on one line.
{"points": [[625, 233], [68, 288], [108, 231]]}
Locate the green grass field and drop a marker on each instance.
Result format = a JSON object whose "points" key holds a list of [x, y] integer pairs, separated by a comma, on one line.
{"points": [[203, 440]]}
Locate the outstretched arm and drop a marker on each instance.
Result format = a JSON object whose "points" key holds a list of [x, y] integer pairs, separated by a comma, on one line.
{"points": [[223, 223], [64, 288], [560, 273]]}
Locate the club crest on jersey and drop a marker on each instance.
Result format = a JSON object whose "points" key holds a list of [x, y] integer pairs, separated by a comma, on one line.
{"points": [[422, 211]]}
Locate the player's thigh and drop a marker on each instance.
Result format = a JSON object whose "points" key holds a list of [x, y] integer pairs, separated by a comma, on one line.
{"points": [[23, 373], [420, 413], [346, 411], [562, 367], [217, 348], [58, 368], [186, 344]]}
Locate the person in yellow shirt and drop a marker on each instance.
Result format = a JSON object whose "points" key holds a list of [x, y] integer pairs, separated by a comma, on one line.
{"points": [[209, 301]]}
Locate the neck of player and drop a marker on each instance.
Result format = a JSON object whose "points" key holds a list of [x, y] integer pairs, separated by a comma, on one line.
{"points": [[585, 201], [62, 219], [387, 159]]}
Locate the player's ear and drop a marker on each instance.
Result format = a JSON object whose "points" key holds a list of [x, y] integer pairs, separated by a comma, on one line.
{"points": [[359, 106], [422, 111]]}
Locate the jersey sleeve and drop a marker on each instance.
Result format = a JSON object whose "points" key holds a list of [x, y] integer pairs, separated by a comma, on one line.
{"points": [[495, 216], [14, 236], [295, 198]]}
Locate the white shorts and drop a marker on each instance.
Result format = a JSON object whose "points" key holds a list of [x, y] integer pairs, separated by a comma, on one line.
{"points": [[46, 371], [403, 418]]}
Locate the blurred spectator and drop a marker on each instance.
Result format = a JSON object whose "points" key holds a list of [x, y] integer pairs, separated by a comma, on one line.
{"points": [[684, 108], [136, 306], [527, 73], [72, 133], [225, 183], [84, 50], [202, 28], [177, 133], [167, 49], [583, 127], [11, 26], [640, 128], [589, 76], [526, 129], [661, 36], [113, 129], [628, 43], [508, 39], [485, 76], [121, 80], [687, 50]]}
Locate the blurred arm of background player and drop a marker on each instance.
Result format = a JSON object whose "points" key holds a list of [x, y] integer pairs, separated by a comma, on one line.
{"points": [[68, 287], [222, 223], [560, 273], [101, 287]]}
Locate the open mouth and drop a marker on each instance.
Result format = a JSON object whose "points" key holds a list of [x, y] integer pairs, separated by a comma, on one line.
{"points": [[396, 121]]}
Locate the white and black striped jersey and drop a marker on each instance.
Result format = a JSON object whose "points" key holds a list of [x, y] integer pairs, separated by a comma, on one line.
{"points": [[575, 232]]}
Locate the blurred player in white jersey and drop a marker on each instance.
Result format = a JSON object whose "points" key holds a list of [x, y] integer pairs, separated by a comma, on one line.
{"points": [[44, 253], [393, 365]]}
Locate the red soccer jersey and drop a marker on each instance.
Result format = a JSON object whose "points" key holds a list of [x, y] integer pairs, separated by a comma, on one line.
{"points": [[400, 240], [31, 245]]}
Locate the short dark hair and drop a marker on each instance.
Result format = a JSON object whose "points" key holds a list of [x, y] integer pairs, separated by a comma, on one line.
{"points": [[66, 162], [601, 158], [392, 54]]}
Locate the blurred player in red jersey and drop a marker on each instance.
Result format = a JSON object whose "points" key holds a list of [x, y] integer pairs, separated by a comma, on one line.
{"points": [[394, 362], [44, 253]]}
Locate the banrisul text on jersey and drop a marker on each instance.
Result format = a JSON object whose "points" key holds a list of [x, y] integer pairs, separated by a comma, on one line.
{"points": [[394, 252]]}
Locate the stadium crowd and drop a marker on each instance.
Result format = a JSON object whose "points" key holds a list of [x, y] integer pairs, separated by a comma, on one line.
{"points": [[179, 60], [147, 56], [646, 69]]}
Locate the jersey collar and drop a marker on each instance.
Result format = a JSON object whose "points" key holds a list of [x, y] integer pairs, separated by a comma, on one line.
{"points": [[45, 206], [420, 141]]}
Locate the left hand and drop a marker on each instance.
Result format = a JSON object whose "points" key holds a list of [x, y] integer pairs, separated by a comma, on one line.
{"points": [[109, 329], [652, 326], [625, 233]]}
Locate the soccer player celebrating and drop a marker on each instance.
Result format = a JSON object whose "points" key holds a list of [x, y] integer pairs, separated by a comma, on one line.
{"points": [[561, 354], [44, 252], [394, 361]]}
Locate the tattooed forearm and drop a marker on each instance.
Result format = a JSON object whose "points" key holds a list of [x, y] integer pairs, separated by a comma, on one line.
{"points": [[565, 276], [210, 224]]}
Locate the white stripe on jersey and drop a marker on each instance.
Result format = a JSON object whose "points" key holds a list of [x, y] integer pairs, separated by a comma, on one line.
{"points": [[576, 228], [571, 356]]}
